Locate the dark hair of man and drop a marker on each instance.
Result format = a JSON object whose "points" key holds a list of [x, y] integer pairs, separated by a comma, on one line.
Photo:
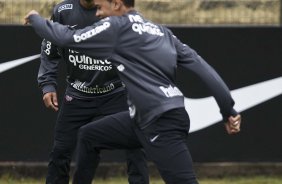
{"points": [[127, 3]]}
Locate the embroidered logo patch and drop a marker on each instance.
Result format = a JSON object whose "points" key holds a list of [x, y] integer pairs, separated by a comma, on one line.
{"points": [[65, 7]]}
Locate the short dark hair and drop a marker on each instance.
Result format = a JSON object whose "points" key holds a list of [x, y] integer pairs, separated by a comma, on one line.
{"points": [[127, 3]]}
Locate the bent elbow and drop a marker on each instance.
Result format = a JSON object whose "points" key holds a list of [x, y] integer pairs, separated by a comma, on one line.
{"points": [[63, 42]]}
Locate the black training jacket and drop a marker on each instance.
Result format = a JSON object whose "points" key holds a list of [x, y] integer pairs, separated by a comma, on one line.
{"points": [[87, 77], [146, 56]]}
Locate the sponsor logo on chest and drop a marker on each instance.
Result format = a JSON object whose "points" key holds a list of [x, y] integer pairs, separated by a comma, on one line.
{"points": [[84, 62]]}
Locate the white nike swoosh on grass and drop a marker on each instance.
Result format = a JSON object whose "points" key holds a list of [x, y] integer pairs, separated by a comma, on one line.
{"points": [[204, 112], [13, 64]]}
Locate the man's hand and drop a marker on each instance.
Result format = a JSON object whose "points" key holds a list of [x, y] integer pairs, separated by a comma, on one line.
{"points": [[26, 18], [233, 124], [50, 100]]}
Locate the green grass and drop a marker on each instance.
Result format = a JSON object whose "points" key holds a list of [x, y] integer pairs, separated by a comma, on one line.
{"points": [[232, 180], [244, 180]]}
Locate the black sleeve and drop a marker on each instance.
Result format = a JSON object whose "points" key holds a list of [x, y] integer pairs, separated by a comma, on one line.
{"points": [[190, 60], [48, 69], [97, 40]]}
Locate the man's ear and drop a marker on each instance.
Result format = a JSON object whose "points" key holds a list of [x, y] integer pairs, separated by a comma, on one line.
{"points": [[117, 4]]}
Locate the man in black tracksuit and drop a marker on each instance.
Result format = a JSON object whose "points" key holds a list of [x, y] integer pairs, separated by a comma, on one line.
{"points": [[146, 55], [93, 90]]}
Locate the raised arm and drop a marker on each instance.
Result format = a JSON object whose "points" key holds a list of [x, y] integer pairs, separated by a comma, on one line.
{"points": [[97, 40]]}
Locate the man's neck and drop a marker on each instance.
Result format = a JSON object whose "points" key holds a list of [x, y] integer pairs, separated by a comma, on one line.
{"points": [[88, 4], [126, 10]]}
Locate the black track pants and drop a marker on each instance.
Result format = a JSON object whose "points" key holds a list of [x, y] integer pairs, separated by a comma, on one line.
{"points": [[164, 142]]}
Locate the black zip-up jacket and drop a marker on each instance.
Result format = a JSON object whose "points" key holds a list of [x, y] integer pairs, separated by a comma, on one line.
{"points": [[87, 77], [146, 55]]}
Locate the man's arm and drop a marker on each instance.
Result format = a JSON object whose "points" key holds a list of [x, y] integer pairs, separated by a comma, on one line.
{"points": [[97, 40], [48, 70], [190, 60], [47, 74]]}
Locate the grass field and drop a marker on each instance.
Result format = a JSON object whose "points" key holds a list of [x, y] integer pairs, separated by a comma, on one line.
{"points": [[233, 180]]}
